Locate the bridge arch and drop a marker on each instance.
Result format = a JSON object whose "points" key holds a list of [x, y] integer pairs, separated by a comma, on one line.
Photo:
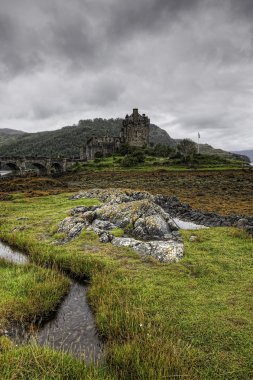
{"points": [[40, 167], [56, 167], [12, 166]]}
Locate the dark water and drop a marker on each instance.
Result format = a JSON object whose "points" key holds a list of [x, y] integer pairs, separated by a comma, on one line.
{"points": [[73, 327]]}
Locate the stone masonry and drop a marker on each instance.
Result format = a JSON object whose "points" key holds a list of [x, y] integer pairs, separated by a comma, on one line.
{"points": [[134, 132]]}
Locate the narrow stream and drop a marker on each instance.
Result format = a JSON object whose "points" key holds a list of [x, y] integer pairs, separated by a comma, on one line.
{"points": [[5, 172], [12, 255], [73, 327]]}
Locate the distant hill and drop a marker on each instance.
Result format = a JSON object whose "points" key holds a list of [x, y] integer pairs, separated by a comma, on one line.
{"points": [[248, 153], [8, 136], [68, 140], [208, 149], [9, 132]]}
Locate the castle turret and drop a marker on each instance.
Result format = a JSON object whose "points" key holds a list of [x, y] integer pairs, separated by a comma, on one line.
{"points": [[135, 129]]}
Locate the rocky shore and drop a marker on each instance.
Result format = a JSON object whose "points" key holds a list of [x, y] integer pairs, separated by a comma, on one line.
{"points": [[209, 219], [144, 222]]}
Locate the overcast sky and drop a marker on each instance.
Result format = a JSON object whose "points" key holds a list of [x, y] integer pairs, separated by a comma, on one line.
{"points": [[187, 64]]}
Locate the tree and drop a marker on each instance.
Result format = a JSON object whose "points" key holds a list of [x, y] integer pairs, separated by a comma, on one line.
{"points": [[187, 149], [135, 158], [161, 150]]}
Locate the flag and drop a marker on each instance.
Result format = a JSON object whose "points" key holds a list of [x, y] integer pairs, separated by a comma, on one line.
{"points": [[198, 135]]}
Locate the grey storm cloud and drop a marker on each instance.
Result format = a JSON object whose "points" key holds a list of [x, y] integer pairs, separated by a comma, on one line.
{"points": [[186, 63]]}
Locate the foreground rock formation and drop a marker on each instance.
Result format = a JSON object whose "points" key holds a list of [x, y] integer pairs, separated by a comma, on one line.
{"points": [[145, 226], [145, 221]]}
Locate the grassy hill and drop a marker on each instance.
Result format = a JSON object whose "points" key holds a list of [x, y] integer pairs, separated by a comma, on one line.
{"points": [[68, 140], [248, 153], [209, 150], [9, 136]]}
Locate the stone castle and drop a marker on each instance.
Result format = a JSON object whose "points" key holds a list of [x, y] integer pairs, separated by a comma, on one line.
{"points": [[134, 132]]}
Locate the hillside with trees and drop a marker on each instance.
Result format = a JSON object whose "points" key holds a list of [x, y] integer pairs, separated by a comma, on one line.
{"points": [[8, 136], [68, 140]]}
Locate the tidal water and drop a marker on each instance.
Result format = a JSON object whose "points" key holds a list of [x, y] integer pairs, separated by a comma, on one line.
{"points": [[72, 329], [12, 255], [4, 172], [184, 225]]}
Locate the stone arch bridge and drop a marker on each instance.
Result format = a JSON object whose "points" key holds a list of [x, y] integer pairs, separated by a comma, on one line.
{"points": [[43, 165]]}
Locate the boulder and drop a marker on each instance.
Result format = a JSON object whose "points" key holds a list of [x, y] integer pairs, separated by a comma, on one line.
{"points": [[164, 251], [153, 232]]}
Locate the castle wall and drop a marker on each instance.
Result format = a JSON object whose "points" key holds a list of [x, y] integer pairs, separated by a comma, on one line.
{"points": [[135, 132], [136, 129], [102, 146]]}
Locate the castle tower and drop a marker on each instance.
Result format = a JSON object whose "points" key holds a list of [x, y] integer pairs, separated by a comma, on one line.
{"points": [[135, 129]]}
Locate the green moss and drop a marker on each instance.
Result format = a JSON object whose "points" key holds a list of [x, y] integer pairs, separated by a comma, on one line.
{"points": [[117, 232]]}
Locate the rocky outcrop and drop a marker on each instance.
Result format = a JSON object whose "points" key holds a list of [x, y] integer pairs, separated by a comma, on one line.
{"points": [[174, 208], [146, 227], [146, 221], [210, 219]]}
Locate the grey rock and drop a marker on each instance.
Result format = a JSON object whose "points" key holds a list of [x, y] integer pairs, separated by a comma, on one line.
{"points": [[167, 251], [139, 232], [66, 225], [75, 231], [104, 238], [125, 208], [164, 251], [77, 196], [79, 210], [249, 229], [193, 238], [241, 223], [103, 224], [89, 216], [156, 226]]}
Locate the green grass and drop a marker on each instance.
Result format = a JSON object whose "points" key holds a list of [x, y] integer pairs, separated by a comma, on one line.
{"points": [[35, 363], [201, 162], [28, 291], [117, 232], [189, 320]]}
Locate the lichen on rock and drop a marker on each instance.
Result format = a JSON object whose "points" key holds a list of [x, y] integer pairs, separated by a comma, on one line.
{"points": [[153, 232]]}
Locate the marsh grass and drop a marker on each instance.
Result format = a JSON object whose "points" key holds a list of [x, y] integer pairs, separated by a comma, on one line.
{"points": [[191, 319], [28, 292], [34, 363]]}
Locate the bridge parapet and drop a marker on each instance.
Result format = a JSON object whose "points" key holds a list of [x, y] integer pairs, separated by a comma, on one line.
{"points": [[45, 165]]}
